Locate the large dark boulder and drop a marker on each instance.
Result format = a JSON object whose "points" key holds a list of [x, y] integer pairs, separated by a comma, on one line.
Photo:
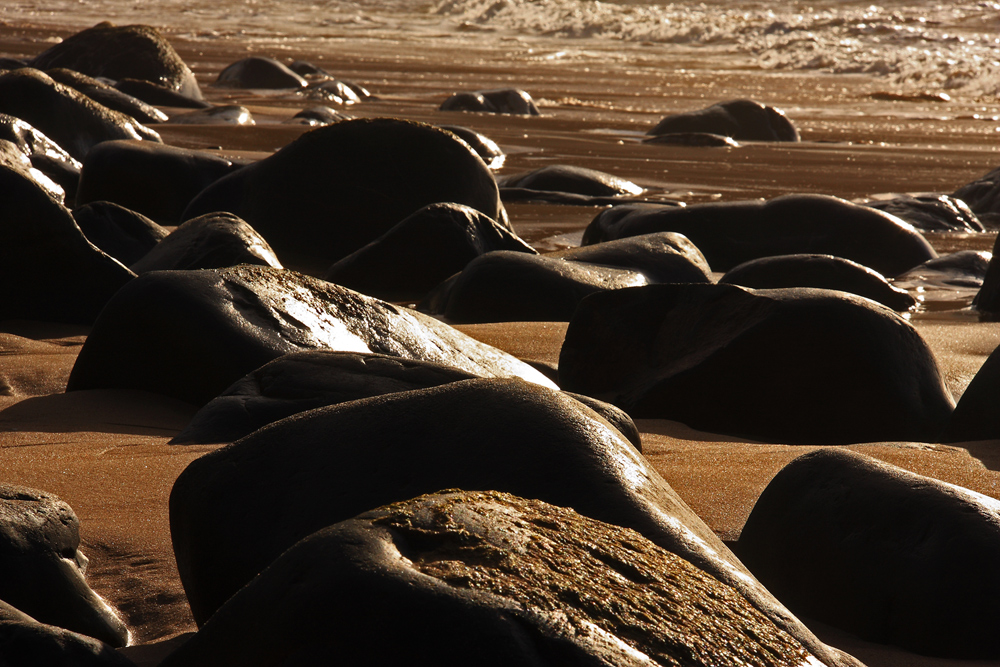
{"points": [[107, 95], [422, 251], [301, 381], [155, 180], [505, 286], [485, 578], [320, 467], [44, 154], [791, 365], [122, 52], [987, 300], [48, 268], [125, 235], [339, 187], [983, 196], [743, 120], [663, 257], [25, 642], [210, 241], [67, 117], [44, 568], [977, 415], [823, 271], [191, 334], [730, 233], [888, 555], [568, 178]]}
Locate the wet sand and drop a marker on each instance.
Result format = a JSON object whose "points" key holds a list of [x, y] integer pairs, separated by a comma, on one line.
{"points": [[105, 452]]}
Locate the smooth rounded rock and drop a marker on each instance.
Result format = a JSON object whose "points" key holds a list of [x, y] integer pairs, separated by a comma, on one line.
{"points": [[791, 365], [731, 233], [977, 417], [743, 120], [70, 118], [44, 154], [320, 467], [822, 271], [888, 555], [987, 300], [339, 187], [422, 251], [210, 241], [25, 642], [259, 72], [122, 52], [501, 100], [664, 257], [568, 178], [486, 148], [125, 235], [44, 568], [505, 286], [155, 180], [469, 578], [931, 213], [107, 95], [191, 334], [49, 269]]}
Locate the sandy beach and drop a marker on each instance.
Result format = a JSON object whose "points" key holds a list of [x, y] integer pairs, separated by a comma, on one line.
{"points": [[105, 452]]}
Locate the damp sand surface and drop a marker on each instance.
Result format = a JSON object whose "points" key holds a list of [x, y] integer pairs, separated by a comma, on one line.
{"points": [[106, 452]]}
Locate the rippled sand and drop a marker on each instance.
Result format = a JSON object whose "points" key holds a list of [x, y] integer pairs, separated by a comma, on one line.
{"points": [[106, 454]]}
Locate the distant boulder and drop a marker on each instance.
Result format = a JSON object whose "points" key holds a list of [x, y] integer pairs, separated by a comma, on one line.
{"points": [[883, 553], [931, 213], [259, 72], [225, 114], [743, 120], [730, 233], [122, 52], [502, 100], [107, 95], [795, 365], [568, 178]]}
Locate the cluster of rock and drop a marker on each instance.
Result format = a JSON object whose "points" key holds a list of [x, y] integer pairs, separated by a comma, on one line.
{"points": [[272, 306]]}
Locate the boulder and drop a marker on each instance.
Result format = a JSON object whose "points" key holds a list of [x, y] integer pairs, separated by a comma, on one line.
{"points": [[341, 186], [210, 241], [930, 213], [664, 257], [743, 120], [469, 578], [888, 555], [976, 416], [823, 271], [568, 178], [44, 568], [225, 114], [485, 147], [730, 233], [158, 95], [422, 251], [328, 464], [501, 100], [107, 95], [44, 154], [506, 286], [983, 196], [49, 269], [321, 115], [795, 365], [67, 117], [964, 268], [155, 180], [259, 72], [191, 334], [122, 52], [25, 642], [987, 300], [125, 235]]}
